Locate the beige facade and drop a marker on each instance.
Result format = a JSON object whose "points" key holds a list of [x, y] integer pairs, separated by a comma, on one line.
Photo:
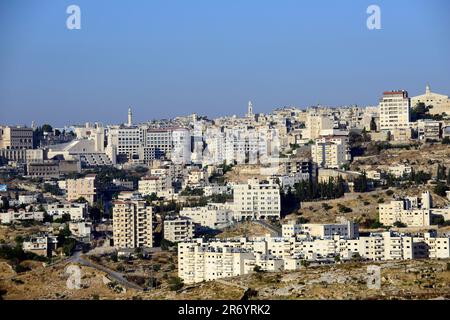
{"points": [[315, 123], [330, 155], [429, 129], [159, 185], [82, 187], [407, 211], [132, 223], [440, 103], [177, 230], [394, 110], [16, 137]]}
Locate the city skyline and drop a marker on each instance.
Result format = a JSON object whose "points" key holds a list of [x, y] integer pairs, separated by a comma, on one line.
{"points": [[173, 59]]}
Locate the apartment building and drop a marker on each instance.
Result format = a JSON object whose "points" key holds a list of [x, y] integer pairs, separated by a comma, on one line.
{"points": [[256, 200], [315, 123], [77, 211], [83, 187], [429, 130], [409, 211], [160, 142], [12, 216], [213, 215], [43, 245], [291, 166], [330, 155], [348, 230], [200, 260], [289, 181], [215, 190], [180, 229], [394, 110], [132, 222], [181, 146], [158, 185]]}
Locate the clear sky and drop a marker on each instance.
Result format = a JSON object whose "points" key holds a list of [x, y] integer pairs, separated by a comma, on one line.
{"points": [[174, 57]]}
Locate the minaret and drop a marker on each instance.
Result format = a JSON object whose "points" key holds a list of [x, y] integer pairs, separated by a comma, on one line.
{"points": [[130, 117], [428, 89], [250, 110]]}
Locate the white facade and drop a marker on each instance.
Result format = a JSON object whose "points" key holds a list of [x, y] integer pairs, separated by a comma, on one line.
{"points": [[256, 200], [204, 261], [77, 211], [213, 216], [348, 230], [409, 211]]}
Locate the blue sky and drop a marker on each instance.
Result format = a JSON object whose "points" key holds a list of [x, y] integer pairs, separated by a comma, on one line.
{"points": [[175, 57]]}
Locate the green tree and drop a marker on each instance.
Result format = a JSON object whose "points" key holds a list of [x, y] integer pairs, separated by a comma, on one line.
{"points": [[175, 283], [47, 128], [441, 189]]}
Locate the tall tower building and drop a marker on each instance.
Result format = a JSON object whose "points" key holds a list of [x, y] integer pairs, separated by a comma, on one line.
{"points": [[132, 223], [394, 110], [130, 117], [250, 110]]}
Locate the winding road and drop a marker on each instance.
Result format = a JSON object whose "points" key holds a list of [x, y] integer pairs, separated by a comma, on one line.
{"points": [[114, 275]]}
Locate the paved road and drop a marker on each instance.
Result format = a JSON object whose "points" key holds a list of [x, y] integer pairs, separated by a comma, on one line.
{"points": [[276, 231], [114, 275]]}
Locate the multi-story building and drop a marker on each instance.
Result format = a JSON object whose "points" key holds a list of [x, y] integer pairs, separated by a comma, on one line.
{"points": [[11, 216], [256, 200], [429, 129], [290, 166], [407, 211], [77, 211], [330, 155], [179, 229], [43, 245], [83, 187], [315, 123], [394, 110], [213, 215], [200, 260], [348, 230], [127, 142], [160, 185], [16, 137], [132, 223], [52, 168]]}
